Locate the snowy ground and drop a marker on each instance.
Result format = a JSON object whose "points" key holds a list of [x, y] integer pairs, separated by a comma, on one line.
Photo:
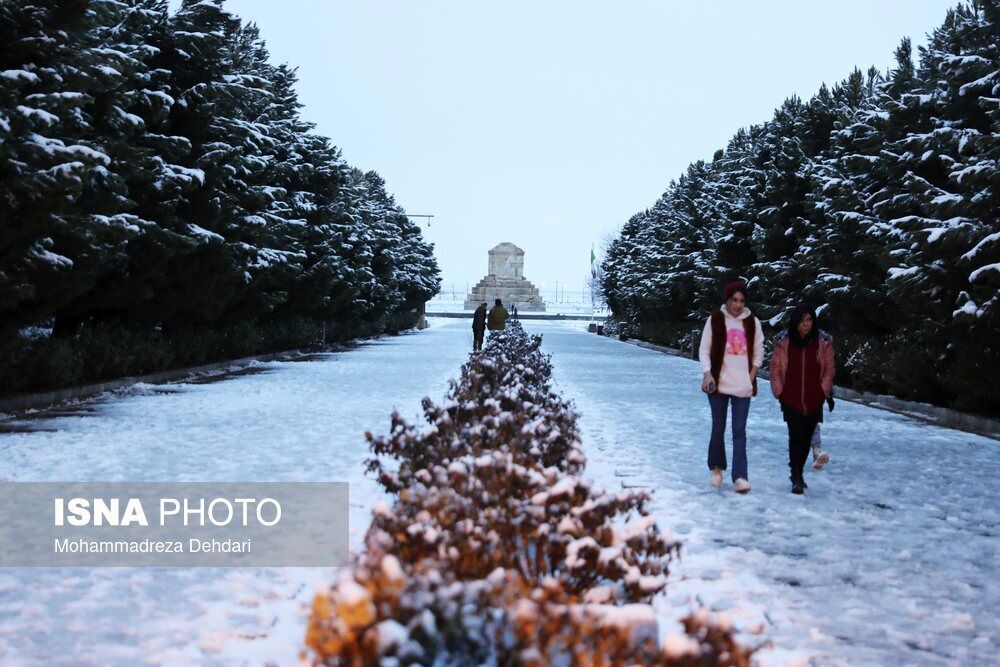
{"points": [[302, 421], [889, 558]]}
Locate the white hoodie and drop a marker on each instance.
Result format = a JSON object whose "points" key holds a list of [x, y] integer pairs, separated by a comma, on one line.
{"points": [[734, 378]]}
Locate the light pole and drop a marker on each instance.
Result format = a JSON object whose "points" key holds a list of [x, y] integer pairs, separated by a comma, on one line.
{"points": [[428, 217], [421, 215]]}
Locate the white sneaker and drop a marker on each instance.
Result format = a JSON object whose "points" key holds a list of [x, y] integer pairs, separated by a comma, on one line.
{"points": [[821, 460], [716, 477], [741, 486]]}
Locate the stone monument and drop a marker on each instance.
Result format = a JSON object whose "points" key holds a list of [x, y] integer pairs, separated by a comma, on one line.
{"points": [[506, 282]]}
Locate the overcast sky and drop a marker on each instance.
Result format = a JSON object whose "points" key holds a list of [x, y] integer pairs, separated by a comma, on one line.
{"points": [[547, 124]]}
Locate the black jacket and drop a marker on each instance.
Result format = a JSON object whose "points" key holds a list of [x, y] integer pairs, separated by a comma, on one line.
{"points": [[479, 319]]}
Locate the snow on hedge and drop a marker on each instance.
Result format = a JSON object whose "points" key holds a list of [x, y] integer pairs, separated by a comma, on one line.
{"points": [[496, 550]]}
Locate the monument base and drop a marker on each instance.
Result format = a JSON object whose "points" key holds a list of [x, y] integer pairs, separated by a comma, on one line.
{"points": [[513, 292], [505, 281]]}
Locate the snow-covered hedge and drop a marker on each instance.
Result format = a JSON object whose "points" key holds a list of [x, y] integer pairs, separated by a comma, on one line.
{"points": [[496, 550]]}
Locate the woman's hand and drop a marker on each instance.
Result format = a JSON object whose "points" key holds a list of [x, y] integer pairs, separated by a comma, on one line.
{"points": [[706, 379]]}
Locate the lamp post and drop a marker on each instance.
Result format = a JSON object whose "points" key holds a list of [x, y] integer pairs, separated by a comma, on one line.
{"points": [[427, 217]]}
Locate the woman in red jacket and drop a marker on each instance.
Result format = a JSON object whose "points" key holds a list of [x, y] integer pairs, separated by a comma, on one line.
{"points": [[802, 369]]}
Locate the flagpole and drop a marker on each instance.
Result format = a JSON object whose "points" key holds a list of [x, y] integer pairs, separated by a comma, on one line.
{"points": [[593, 277]]}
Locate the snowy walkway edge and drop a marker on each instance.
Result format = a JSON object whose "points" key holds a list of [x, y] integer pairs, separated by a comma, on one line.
{"points": [[946, 417]]}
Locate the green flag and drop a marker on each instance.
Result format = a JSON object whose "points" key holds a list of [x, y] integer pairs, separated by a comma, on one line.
{"points": [[593, 270]]}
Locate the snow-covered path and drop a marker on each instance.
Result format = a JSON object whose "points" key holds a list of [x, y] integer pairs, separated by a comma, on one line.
{"points": [[291, 421], [889, 558]]}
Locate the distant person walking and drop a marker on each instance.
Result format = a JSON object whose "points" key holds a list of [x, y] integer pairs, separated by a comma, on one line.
{"points": [[802, 370], [479, 326], [731, 351], [498, 317]]}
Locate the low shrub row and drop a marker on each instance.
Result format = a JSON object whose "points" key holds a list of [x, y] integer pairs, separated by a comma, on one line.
{"points": [[496, 550]]}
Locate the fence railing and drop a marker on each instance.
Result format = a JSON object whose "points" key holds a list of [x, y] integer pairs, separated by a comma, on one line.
{"points": [[566, 299]]}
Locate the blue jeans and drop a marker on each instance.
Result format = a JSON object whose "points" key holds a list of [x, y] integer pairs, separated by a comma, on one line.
{"points": [[717, 445]]}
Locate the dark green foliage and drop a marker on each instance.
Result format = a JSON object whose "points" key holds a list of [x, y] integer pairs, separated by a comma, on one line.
{"points": [[158, 187], [102, 352], [876, 201]]}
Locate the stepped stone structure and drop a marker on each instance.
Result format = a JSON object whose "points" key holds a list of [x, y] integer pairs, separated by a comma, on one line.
{"points": [[506, 282]]}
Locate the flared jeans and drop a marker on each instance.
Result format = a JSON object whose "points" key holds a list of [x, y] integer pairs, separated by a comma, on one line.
{"points": [[717, 444]]}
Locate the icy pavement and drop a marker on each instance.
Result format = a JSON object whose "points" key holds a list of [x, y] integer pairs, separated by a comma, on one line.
{"points": [[890, 557], [284, 421]]}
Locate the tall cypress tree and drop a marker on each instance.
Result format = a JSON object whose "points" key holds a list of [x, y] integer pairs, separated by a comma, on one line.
{"points": [[739, 184], [844, 274], [941, 200], [130, 104], [53, 242]]}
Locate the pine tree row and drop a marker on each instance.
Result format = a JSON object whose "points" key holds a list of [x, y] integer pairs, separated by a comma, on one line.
{"points": [[877, 201], [155, 176]]}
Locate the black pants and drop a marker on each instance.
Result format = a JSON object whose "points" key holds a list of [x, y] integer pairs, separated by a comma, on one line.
{"points": [[800, 432], [477, 339]]}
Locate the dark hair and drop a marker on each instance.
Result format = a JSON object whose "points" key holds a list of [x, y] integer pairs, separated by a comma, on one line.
{"points": [[732, 288], [498, 302], [798, 312]]}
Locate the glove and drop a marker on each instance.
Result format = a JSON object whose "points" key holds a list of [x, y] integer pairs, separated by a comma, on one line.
{"points": [[829, 402]]}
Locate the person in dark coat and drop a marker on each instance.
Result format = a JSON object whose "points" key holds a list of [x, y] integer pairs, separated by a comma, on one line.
{"points": [[802, 370], [498, 317], [479, 326]]}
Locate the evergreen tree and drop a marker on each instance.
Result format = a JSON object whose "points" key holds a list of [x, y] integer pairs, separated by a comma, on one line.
{"points": [[940, 201], [211, 96], [130, 103], [842, 264], [739, 184], [399, 267], [53, 242], [158, 185], [876, 201], [311, 216], [617, 269], [782, 218]]}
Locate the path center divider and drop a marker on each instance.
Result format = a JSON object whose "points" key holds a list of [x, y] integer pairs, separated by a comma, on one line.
{"points": [[496, 550]]}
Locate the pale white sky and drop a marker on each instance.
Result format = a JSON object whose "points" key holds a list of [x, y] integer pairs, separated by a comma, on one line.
{"points": [[548, 123]]}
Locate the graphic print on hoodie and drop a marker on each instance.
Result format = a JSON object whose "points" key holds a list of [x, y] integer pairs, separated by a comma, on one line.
{"points": [[736, 342]]}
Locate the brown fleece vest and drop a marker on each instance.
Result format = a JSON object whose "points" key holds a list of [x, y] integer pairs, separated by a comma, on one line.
{"points": [[717, 353]]}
